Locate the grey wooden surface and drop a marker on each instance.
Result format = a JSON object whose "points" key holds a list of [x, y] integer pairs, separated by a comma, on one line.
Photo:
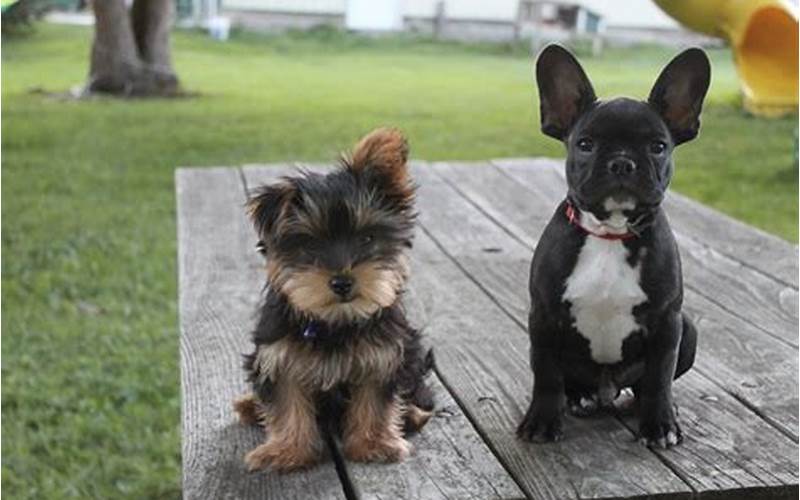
{"points": [[478, 225]]}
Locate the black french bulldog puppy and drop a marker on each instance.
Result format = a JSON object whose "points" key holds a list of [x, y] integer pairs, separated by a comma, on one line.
{"points": [[605, 283]]}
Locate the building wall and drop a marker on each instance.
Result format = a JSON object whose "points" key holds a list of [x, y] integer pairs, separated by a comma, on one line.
{"points": [[625, 21], [484, 10], [631, 13], [463, 30], [477, 10], [323, 7]]}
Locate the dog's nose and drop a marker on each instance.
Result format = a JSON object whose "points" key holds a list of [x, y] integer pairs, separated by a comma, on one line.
{"points": [[621, 166], [341, 285]]}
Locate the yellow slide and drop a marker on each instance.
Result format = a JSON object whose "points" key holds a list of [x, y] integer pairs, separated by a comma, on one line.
{"points": [[763, 36]]}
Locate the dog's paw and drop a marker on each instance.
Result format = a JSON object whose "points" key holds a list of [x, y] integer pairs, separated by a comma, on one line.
{"points": [[625, 404], [658, 426], [395, 449], [249, 409], [415, 418], [583, 407], [660, 433], [280, 457], [541, 424]]}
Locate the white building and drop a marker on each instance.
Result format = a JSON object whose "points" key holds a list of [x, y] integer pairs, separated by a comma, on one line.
{"points": [[633, 20]]}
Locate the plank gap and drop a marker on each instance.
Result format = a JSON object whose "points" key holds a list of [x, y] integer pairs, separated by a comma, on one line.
{"points": [[750, 406], [419, 478], [475, 425], [743, 318], [513, 318], [675, 464], [477, 283], [485, 213]]}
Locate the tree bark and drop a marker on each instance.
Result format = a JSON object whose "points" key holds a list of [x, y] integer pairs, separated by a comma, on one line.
{"points": [[152, 21], [131, 52]]}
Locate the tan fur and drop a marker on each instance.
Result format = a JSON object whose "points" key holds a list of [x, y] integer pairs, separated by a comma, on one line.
{"points": [[300, 371], [416, 417], [277, 272], [373, 427], [293, 439], [250, 410], [385, 149], [312, 369], [376, 286]]}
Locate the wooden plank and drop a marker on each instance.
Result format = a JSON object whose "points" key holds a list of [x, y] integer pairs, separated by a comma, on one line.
{"points": [[461, 228], [450, 459], [220, 279], [483, 358], [725, 450], [733, 352], [767, 303], [487, 372], [752, 247], [748, 245]]}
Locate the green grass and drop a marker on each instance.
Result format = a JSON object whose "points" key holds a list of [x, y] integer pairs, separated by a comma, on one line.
{"points": [[90, 353]]}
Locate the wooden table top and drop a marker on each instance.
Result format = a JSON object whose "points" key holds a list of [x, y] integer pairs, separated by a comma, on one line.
{"points": [[478, 225]]}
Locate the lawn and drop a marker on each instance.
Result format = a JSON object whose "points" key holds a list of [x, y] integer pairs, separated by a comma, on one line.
{"points": [[91, 398]]}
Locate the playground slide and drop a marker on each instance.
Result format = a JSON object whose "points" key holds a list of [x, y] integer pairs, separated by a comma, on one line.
{"points": [[763, 36]]}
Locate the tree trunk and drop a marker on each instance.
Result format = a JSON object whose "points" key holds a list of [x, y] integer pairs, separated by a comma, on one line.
{"points": [[131, 52], [152, 21]]}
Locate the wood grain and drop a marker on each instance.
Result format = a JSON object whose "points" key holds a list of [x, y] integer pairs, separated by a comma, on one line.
{"points": [[726, 450], [467, 196], [220, 279], [734, 352], [469, 293], [450, 460], [482, 358]]}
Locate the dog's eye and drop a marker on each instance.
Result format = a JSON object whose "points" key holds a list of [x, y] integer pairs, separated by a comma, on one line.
{"points": [[657, 147], [365, 239], [586, 145]]}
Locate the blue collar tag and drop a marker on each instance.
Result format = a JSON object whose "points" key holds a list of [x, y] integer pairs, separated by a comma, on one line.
{"points": [[311, 331]]}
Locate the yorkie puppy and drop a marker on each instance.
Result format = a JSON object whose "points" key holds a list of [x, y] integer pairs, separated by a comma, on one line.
{"points": [[334, 352]]}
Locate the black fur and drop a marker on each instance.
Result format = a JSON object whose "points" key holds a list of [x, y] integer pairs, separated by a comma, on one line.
{"points": [[596, 134], [361, 212], [339, 241]]}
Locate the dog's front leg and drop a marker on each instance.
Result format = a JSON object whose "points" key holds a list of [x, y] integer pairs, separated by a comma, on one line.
{"points": [[657, 424], [543, 420], [373, 425], [293, 438]]}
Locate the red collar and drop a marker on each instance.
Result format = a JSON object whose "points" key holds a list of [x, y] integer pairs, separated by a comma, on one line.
{"points": [[572, 217]]}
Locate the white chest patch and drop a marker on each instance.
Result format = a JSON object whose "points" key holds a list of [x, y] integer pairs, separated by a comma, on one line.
{"points": [[603, 290]]}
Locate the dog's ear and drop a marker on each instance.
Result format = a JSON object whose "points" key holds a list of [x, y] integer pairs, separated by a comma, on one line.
{"points": [[266, 205], [565, 92], [679, 91], [384, 153]]}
